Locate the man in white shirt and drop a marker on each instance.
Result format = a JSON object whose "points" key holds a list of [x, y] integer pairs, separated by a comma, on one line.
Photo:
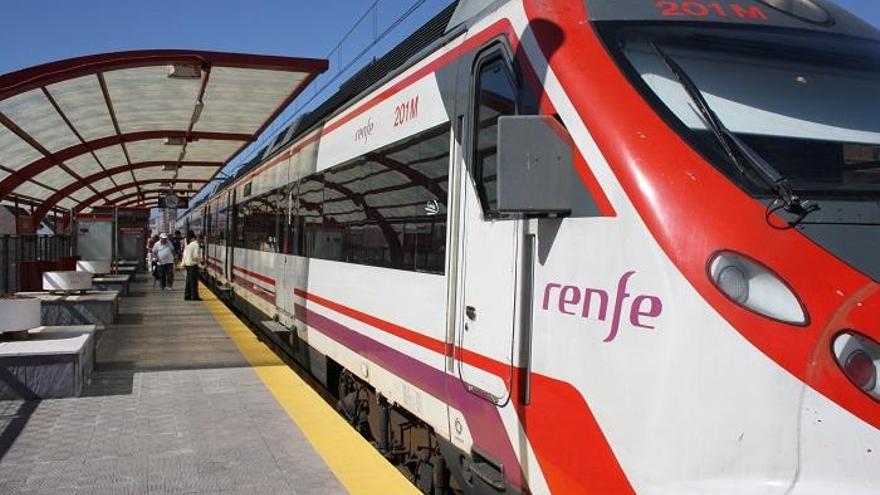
{"points": [[191, 263], [163, 253]]}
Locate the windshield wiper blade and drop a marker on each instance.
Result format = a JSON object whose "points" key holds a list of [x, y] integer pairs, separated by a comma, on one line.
{"points": [[735, 147]]}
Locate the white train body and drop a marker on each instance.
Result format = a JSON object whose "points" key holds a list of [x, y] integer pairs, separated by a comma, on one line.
{"points": [[588, 351]]}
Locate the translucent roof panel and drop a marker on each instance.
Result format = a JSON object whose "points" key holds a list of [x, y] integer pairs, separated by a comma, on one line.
{"points": [[83, 103], [55, 177], [103, 112], [152, 150], [103, 184], [153, 173], [83, 165], [67, 203], [211, 151], [81, 194], [237, 99], [126, 191], [185, 173], [15, 153], [32, 190], [145, 98], [111, 156], [116, 195], [32, 112]]}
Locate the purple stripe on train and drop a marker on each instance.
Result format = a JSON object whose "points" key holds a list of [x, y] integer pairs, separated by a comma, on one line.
{"points": [[483, 418]]}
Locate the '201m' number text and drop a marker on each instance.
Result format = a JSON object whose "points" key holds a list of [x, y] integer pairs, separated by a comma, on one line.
{"points": [[715, 9], [406, 111]]}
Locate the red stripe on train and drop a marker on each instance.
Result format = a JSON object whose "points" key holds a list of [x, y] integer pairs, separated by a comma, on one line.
{"points": [[254, 289], [258, 276]]}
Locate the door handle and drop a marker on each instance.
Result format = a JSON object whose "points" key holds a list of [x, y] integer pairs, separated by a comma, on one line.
{"points": [[470, 312]]}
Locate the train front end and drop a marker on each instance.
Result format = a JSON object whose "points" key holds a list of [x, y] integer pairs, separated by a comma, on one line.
{"points": [[746, 137]]}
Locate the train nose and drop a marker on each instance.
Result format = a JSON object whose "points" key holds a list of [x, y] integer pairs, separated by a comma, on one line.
{"points": [[840, 412]]}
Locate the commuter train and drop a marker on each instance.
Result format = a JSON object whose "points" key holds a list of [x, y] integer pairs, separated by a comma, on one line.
{"points": [[586, 246]]}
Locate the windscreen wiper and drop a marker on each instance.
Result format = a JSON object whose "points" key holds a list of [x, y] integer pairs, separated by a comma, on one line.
{"points": [[736, 148]]}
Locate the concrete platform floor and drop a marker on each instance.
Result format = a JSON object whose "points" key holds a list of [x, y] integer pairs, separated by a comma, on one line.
{"points": [[173, 407]]}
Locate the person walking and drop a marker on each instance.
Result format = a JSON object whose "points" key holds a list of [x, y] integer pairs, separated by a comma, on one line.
{"points": [[190, 262], [151, 260], [163, 253]]}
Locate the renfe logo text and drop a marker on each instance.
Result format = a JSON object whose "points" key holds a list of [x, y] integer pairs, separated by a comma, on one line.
{"points": [[592, 303], [364, 132]]}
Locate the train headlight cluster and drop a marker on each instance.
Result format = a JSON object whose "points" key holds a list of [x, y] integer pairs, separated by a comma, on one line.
{"points": [[859, 358], [753, 286]]}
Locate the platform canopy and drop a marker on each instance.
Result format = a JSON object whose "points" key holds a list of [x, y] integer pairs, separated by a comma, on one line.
{"points": [[120, 128]]}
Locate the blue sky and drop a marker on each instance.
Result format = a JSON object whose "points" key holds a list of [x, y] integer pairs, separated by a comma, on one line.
{"points": [[867, 9], [38, 31]]}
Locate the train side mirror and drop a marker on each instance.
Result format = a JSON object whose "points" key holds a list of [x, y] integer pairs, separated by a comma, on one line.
{"points": [[535, 166]]}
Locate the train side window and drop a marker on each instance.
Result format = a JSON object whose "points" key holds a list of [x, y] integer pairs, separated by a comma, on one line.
{"points": [[311, 215], [386, 208], [257, 222], [495, 95], [294, 225], [220, 227], [241, 215]]}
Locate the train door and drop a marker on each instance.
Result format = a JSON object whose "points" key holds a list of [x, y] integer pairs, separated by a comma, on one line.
{"points": [[230, 236], [486, 312], [205, 250]]}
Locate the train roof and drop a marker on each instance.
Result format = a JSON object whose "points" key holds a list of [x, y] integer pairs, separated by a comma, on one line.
{"points": [[813, 15], [365, 78]]}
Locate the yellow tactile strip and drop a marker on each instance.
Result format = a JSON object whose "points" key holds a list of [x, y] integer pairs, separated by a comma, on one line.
{"points": [[357, 465]]}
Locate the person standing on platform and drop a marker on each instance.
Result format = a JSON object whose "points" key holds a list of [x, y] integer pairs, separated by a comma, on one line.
{"points": [[191, 264], [163, 253]]}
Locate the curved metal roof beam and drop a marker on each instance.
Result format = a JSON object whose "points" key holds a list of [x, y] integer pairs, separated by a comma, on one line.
{"points": [[88, 202], [37, 167], [23, 80], [149, 195], [53, 200]]}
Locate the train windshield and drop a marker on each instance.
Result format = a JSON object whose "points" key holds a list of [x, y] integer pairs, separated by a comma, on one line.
{"points": [[808, 107]]}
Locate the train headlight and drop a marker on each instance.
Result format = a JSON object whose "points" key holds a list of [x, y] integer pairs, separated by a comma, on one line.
{"points": [[859, 358], [754, 287]]}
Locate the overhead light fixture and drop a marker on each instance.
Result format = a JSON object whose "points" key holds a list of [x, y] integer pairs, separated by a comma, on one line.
{"points": [[180, 140], [184, 71], [169, 167]]}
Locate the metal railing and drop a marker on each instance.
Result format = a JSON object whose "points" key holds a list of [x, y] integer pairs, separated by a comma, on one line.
{"points": [[15, 249]]}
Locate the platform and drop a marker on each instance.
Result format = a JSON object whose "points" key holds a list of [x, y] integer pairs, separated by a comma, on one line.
{"points": [[184, 399]]}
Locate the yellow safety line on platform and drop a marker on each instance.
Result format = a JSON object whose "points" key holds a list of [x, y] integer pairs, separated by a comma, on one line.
{"points": [[354, 462]]}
